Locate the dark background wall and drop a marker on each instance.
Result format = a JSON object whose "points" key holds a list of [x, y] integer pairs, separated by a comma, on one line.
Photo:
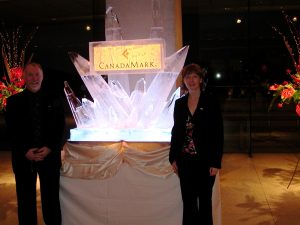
{"points": [[248, 56]]}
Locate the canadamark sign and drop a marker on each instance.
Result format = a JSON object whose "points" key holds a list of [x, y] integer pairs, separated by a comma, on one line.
{"points": [[128, 57]]}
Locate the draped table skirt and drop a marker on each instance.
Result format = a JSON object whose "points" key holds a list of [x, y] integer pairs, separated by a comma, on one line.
{"points": [[121, 183]]}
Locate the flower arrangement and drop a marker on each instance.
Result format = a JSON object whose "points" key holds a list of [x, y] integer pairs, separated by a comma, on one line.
{"points": [[13, 54], [289, 91], [12, 86]]}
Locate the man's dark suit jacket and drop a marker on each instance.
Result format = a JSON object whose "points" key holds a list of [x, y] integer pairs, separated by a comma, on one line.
{"points": [[20, 129], [208, 135]]}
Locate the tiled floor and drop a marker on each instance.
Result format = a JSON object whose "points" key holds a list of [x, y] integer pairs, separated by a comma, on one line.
{"points": [[8, 202], [260, 190], [254, 191]]}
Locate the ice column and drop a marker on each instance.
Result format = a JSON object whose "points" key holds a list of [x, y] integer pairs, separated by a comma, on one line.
{"points": [[112, 26], [157, 28]]}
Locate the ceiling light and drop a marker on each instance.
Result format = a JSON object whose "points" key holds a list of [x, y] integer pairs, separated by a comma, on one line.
{"points": [[88, 28]]}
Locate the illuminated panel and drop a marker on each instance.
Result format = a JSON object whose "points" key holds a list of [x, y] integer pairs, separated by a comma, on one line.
{"points": [[128, 57]]}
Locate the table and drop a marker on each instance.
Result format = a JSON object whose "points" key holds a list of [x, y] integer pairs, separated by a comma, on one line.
{"points": [[120, 183]]}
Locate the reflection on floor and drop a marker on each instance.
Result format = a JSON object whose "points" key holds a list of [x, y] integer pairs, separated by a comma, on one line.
{"points": [[262, 190], [8, 201]]}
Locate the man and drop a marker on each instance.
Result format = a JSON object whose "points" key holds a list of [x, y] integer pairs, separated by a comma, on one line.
{"points": [[35, 123]]}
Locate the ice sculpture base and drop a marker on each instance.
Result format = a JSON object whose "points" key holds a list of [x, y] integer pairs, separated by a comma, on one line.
{"points": [[128, 135]]}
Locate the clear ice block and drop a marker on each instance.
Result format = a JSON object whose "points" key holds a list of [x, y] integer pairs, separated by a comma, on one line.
{"points": [[146, 114]]}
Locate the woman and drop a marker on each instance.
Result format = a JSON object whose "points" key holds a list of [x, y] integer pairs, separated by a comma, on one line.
{"points": [[196, 146]]}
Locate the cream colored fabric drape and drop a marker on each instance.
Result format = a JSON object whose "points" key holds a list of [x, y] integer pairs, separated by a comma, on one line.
{"points": [[101, 160]]}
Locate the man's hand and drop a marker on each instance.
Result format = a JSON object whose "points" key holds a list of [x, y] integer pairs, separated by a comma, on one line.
{"points": [[37, 154], [42, 153], [31, 154]]}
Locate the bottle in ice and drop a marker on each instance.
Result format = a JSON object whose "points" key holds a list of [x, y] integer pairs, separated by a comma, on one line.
{"points": [[80, 115]]}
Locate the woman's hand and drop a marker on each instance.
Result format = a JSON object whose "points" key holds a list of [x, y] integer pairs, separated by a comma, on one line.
{"points": [[213, 171], [174, 166]]}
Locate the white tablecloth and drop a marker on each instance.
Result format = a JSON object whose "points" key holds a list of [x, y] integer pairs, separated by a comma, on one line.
{"points": [[122, 184]]}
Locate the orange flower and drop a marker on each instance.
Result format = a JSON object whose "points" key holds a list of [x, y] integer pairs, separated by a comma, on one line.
{"points": [[4, 102], [2, 85], [285, 83], [16, 73], [287, 93], [298, 109], [273, 87], [296, 78]]}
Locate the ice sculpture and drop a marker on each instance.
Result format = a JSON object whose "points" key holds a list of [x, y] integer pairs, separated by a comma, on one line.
{"points": [[157, 28], [143, 114], [113, 29]]}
